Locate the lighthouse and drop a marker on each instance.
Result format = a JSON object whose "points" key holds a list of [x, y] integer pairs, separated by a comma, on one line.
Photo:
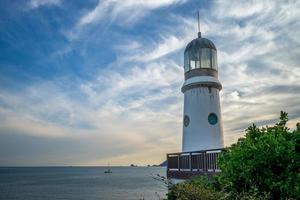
{"points": [[202, 138], [202, 120]]}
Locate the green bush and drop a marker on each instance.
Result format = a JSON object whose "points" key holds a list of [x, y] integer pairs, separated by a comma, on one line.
{"points": [[265, 164], [198, 188]]}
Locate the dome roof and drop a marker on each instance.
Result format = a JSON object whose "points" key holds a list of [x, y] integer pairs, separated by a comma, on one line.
{"points": [[199, 43]]}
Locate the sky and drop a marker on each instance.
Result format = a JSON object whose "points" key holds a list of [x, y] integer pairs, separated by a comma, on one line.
{"points": [[91, 82]]}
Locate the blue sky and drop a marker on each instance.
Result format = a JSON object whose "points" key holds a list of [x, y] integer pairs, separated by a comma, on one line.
{"points": [[91, 82]]}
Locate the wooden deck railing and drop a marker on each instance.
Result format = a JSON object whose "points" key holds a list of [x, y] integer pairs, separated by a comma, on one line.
{"points": [[186, 164]]}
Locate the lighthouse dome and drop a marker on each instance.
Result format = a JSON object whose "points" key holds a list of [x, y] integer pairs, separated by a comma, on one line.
{"points": [[200, 53]]}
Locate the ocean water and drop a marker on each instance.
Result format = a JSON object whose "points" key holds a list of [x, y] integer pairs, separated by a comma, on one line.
{"points": [[80, 183]]}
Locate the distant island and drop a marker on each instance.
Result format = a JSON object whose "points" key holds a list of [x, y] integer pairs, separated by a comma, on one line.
{"points": [[163, 164]]}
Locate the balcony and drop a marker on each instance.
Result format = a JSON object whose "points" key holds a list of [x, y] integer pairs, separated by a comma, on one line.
{"points": [[187, 164]]}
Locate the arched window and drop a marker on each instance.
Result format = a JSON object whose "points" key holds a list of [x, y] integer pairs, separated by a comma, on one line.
{"points": [[205, 58], [214, 60], [186, 62]]}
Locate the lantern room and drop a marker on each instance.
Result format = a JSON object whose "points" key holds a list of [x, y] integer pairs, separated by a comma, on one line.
{"points": [[200, 53]]}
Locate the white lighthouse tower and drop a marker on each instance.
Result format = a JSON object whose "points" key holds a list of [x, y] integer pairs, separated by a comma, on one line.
{"points": [[202, 121]]}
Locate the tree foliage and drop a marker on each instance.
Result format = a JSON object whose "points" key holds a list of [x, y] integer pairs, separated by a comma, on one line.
{"points": [[265, 164], [194, 189]]}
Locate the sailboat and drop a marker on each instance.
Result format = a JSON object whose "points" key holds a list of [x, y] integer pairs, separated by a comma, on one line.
{"points": [[108, 171]]}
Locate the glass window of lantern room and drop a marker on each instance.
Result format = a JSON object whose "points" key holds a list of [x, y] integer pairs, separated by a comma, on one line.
{"points": [[186, 62], [205, 58], [214, 59], [193, 58], [193, 64], [198, 58]]}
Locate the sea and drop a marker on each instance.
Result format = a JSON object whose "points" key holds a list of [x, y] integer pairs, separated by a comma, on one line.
{"points": [[81, 183]]}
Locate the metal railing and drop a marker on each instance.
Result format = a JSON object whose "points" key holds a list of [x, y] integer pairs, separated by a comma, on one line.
{"points": [[187, 164]]}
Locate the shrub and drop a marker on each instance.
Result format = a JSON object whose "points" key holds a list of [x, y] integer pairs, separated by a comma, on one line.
{"points": [[198, 188], [264, 163]]}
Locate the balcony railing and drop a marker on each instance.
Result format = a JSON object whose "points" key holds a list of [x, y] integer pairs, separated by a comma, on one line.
{"points": [[187, 164]]}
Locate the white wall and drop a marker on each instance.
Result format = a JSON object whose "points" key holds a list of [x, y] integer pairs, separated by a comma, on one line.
{"points": [[200, 134]]}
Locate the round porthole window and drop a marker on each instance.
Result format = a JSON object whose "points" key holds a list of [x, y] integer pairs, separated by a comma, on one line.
{"points": [[212, 118], [186, 120]]}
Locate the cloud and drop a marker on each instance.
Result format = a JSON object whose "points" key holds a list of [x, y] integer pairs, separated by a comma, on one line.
{"points": [[117, 108], [248, 57], [253, 63], [123, 13], [37, 3], [134, 105], [128, 10], [241, 9], [168, 43]]}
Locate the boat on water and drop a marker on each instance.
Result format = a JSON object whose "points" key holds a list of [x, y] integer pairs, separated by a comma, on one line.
{"points": [[108, 171]]}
